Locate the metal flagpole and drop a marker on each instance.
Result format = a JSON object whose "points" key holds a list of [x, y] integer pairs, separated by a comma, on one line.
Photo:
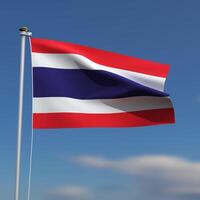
{"points": [[24, 32]]}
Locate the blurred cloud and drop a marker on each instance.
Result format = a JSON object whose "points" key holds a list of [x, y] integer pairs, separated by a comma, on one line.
{"points": [[70, 192], [158, 177], [198, 98]]}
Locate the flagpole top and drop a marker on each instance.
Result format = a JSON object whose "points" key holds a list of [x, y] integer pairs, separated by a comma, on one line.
{"points": [[24, 28], [24, 31]]}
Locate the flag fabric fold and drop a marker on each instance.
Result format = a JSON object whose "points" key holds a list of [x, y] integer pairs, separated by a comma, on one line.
{"points": [[76, 86]]}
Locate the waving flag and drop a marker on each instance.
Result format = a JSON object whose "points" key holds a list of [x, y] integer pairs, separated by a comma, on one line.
{"points": [[77, 86]]}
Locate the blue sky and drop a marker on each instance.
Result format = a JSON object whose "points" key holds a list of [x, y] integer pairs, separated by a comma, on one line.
{"points": [[160, 162]]}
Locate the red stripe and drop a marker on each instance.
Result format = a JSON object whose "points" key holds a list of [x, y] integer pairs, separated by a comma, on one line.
{"points": [[80, 120], [102, 57]]}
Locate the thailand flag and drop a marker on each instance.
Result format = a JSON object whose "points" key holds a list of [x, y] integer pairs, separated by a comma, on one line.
{"points": [[76, 86]]}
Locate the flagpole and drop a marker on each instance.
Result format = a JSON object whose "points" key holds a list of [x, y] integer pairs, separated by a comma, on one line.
{"points": [[24, 32]]}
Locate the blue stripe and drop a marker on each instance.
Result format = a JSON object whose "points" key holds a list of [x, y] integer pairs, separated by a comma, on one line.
{"points": [[86, 84]]}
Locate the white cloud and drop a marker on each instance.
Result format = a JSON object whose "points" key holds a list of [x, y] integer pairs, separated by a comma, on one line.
{"points": [[71, 192], [163, 175], [93, 161]]}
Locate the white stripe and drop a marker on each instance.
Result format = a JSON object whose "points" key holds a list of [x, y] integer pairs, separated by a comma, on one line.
{"points": [[65, 104], [76, 61]]}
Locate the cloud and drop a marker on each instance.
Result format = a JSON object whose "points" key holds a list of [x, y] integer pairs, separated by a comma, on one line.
{"points": [[198, 98], [157, 176], [93, 161], [71, 192]]}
